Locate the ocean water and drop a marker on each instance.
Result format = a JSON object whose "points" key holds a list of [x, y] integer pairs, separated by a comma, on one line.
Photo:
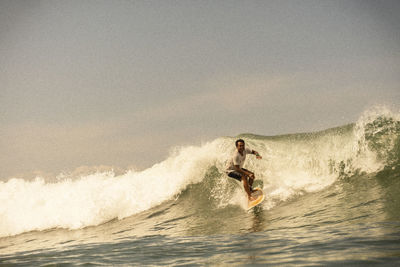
{"points": [[332, 198]]}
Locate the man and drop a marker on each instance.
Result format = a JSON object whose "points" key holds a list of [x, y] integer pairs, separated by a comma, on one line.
{"points": [[235, 167]]}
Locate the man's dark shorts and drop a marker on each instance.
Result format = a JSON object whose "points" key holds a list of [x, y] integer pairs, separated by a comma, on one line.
{"points": [[236, 175]]}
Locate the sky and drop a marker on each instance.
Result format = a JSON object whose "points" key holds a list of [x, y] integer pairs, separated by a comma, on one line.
{"points": [[120, 83]]}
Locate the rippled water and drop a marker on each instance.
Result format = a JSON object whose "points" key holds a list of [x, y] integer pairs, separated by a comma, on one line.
{"points": [[351, 222]]}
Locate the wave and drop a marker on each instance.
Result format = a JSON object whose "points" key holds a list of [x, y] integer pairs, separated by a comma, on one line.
{"points": [[292, 165]]}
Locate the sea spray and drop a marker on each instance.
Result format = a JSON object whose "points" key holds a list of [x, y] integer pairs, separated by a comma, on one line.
{"points": [[378, 133], [299, 163]]}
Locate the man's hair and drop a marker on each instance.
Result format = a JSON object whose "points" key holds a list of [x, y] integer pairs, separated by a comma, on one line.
{"points": [[238, 141]]}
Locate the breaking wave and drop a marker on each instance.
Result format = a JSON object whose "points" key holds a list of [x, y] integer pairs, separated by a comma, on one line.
{"points": [[292, 165]]}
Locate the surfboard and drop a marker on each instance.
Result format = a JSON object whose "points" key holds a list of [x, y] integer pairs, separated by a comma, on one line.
{"points": [[259, 195]]}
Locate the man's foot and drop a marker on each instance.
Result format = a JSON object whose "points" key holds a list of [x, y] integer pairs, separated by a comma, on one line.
{"points": [[251, 198]]}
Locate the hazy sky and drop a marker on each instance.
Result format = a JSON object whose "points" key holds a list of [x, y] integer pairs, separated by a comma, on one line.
{"points": [[121, 82]]}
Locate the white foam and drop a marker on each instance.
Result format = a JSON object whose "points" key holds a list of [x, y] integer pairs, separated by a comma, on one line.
{"points": [[97, 198]]}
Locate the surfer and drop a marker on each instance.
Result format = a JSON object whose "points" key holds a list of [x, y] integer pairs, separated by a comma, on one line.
{"points": [[235, 167]]}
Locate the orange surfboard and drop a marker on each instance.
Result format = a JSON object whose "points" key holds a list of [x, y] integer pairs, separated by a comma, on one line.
{"points": [[259, 195]]}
